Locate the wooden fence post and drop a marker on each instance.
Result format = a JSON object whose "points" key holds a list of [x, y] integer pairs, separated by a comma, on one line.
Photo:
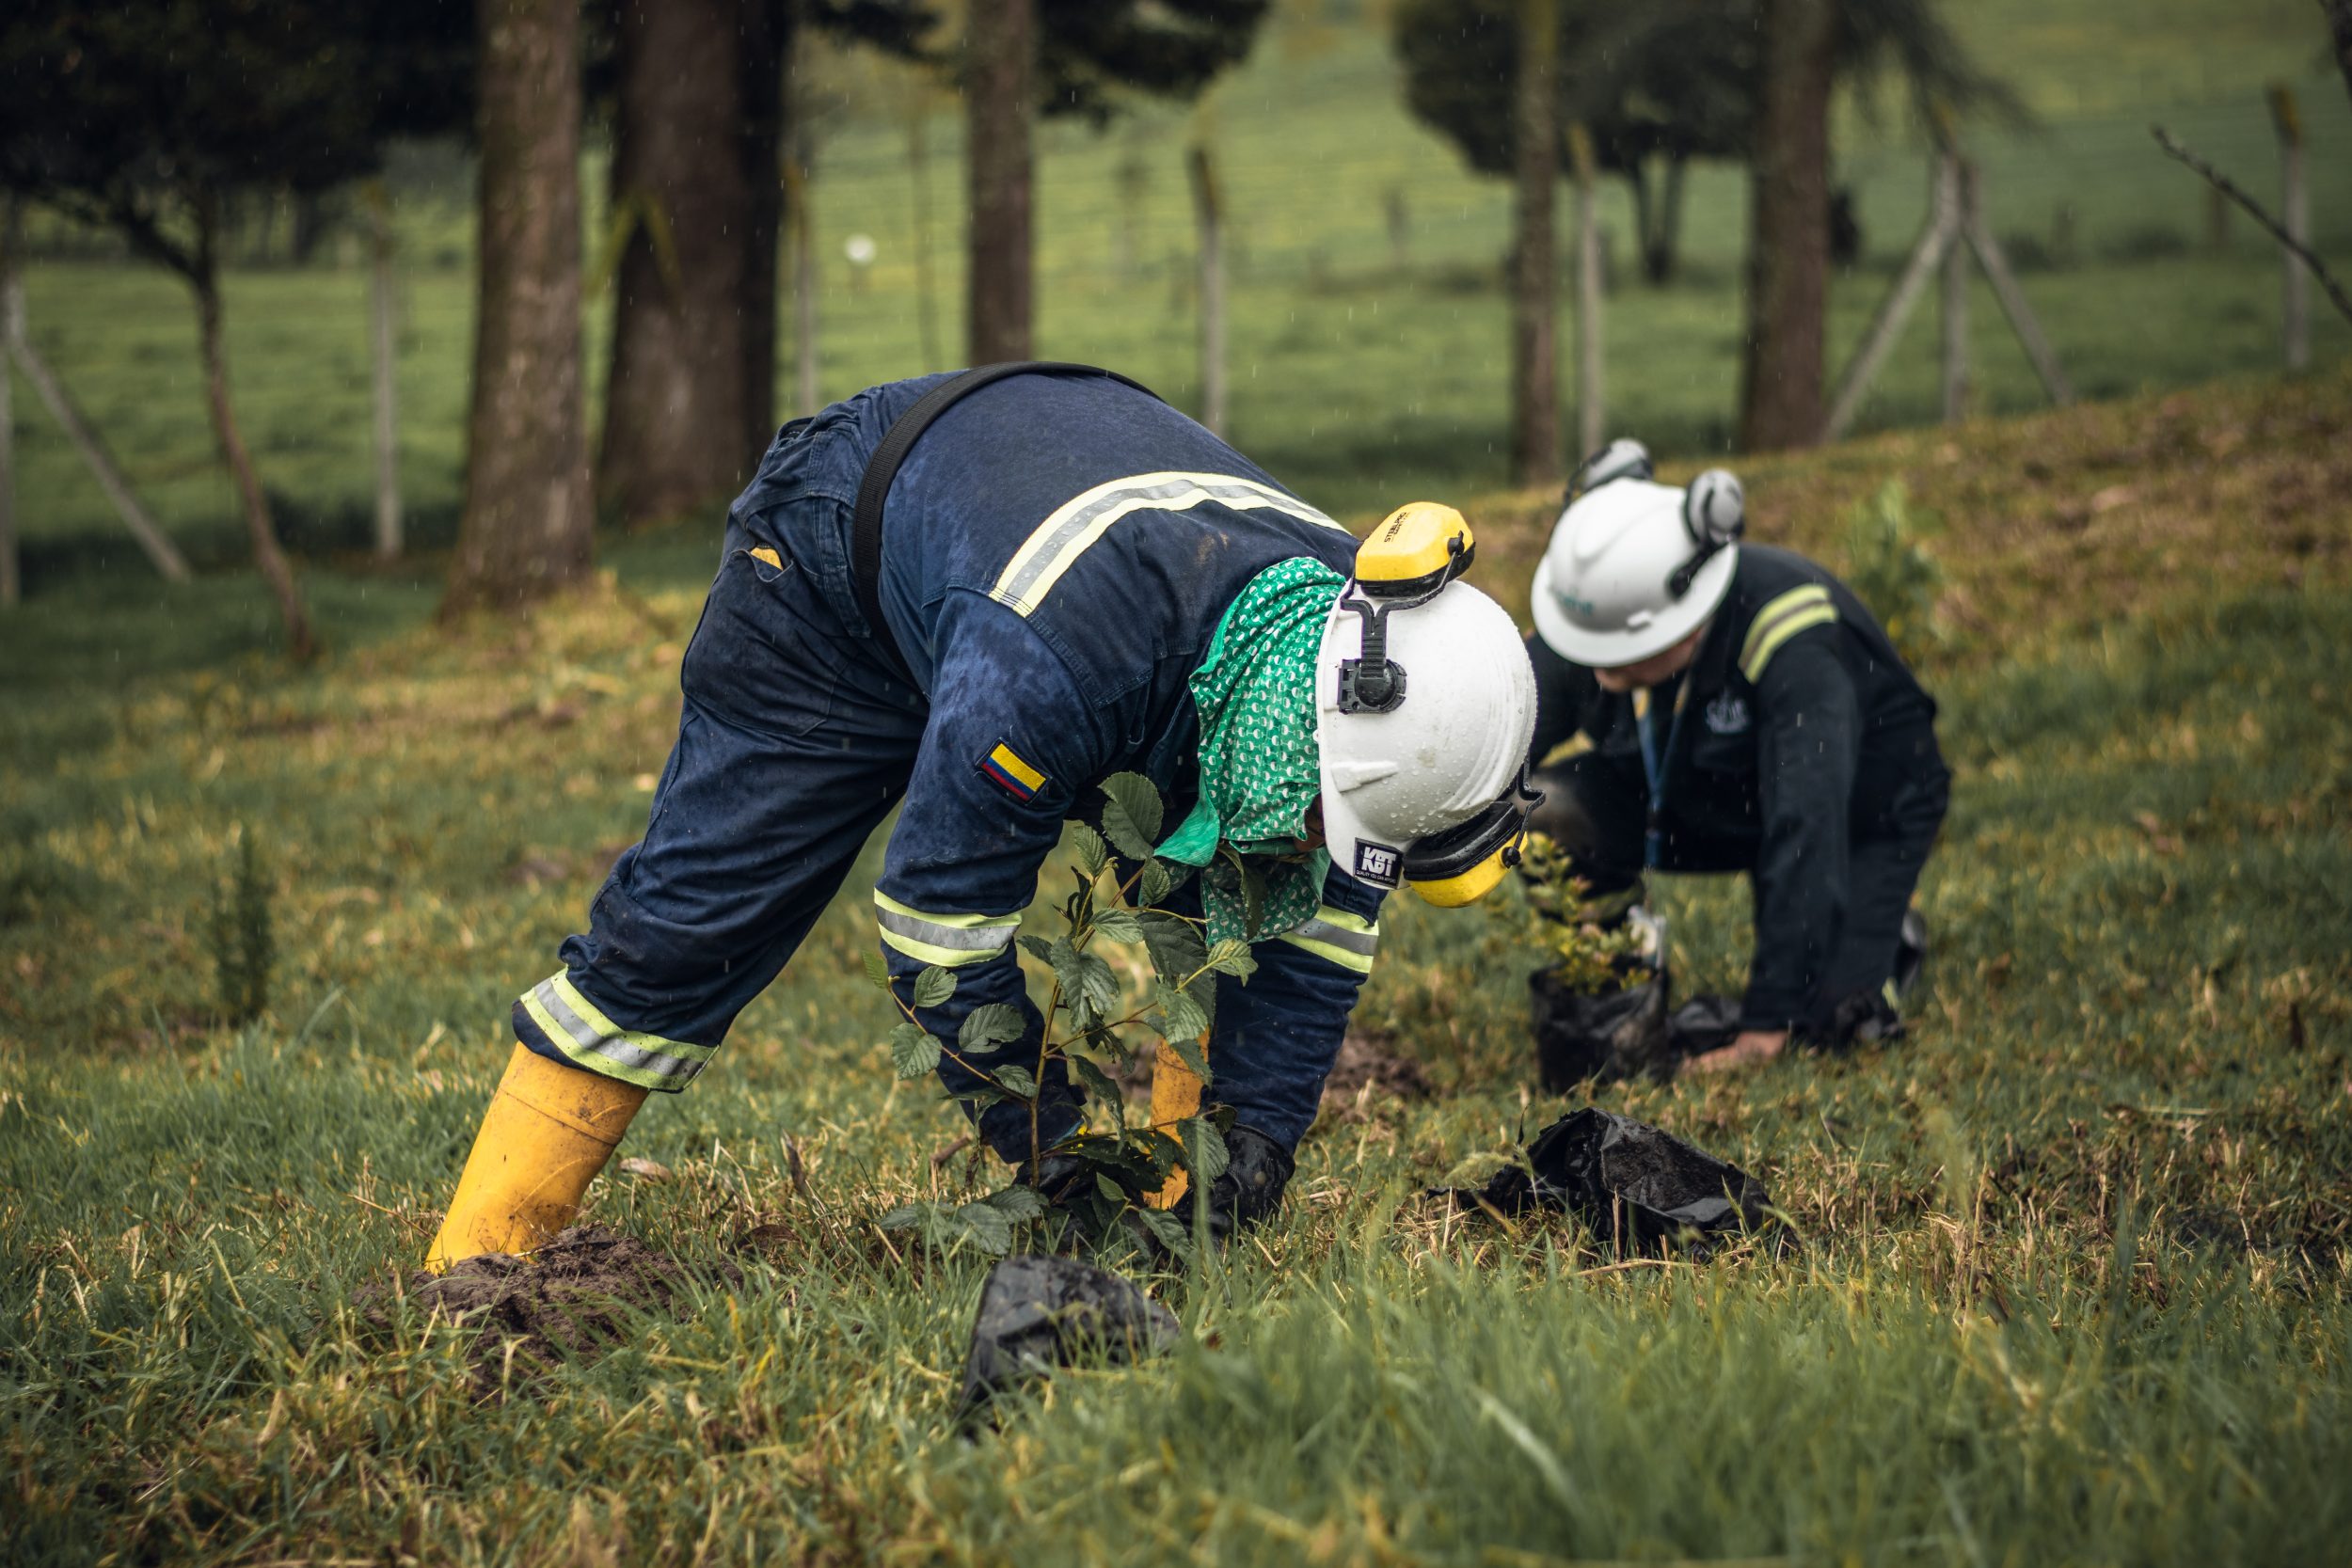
{"points": [[2296, 219], [157, 545], [1938, 236], [11, 579], [1956, 299], [385, 340], [1208, 217], [1591, 407]]}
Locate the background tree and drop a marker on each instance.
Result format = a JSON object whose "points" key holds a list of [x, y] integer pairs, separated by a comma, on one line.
{"points": [[527, 527], [1659, 85], [2340, 27], [697, 94], [1534, 262], [1063, 56], [149, 118], [1788, 289]]}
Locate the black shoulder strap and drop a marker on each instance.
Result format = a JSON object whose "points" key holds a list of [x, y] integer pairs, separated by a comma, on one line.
{"points": [[865, 538]]}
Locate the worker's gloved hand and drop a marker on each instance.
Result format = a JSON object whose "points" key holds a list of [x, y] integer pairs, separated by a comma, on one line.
{"points": [[1249, 1193]]}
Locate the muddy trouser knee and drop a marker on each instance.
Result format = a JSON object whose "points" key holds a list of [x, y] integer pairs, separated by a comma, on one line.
{"points": [[1883, 874]]}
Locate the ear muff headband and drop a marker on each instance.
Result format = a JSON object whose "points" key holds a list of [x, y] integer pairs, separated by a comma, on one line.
{"points": [[1623, 458]]}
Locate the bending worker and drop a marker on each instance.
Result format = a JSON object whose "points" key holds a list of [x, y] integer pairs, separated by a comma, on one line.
{"points": [[1075, 580], [1735, 708]]}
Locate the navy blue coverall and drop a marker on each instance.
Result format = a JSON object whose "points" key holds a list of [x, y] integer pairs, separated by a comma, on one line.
{"points": [[1797, 747], [1059, 553]]}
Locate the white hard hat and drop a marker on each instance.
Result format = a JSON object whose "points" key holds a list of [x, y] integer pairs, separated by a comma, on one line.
{"points": [[1634, 568], [1423, 779]]}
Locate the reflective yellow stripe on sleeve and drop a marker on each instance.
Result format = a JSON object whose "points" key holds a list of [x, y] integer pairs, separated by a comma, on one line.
{"points": [[1782, 618], [1346, 940], [949, 941], [1055, 544]]}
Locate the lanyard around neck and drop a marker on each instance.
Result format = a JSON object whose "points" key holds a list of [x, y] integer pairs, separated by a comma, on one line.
{"points": [[1654, 765]]}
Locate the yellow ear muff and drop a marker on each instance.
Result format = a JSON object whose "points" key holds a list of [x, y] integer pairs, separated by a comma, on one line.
{"points": [[1415, 550], [1468, 887]]}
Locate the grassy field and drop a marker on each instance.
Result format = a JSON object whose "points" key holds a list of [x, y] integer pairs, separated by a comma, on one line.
{"points": [[2074, 1282]]}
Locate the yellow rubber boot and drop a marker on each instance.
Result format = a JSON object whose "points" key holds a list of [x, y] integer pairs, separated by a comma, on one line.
{"points": [[550, 1129]]}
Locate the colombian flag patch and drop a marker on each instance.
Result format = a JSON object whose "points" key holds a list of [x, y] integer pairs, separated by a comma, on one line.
{"points": [[1006, 770]]}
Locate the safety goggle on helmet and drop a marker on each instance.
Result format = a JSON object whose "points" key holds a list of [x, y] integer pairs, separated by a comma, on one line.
{"points": [[1424, 709]]}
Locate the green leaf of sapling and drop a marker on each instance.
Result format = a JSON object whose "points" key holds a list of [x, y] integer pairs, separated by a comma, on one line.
{"points": [[1093, 854], [989, 1023], [1017, 1203], [1131, 817], [914, 1051], [933, 987], [1231, 957], [877, 971], [1205, 1157]]}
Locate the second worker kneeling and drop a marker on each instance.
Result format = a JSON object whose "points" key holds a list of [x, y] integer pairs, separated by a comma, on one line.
{"points": [[1722, 706]]}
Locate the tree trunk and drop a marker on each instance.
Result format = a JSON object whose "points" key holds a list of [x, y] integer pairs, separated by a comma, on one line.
{"points": [[260, 531], [1670, 219], [1535, 261], [11, 575], [1000, 72], [384, 342], [1780, 400], [770, 35], [526, 528], [1645, 219], [1208, 217], [2339, 24], [800, 180], [806, 362], [919, 170], [678, 421], [1591, 406]]}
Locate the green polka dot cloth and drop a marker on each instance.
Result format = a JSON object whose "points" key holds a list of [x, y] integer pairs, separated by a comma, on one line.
{"points": [[1259, 771]]}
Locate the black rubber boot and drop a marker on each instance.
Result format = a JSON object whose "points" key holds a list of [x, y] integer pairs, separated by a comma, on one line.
{"points": [[1073, 1204], [1249, 1193]]}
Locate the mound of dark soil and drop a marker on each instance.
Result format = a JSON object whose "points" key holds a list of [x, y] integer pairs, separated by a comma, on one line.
{"points": [[572, 1297], [1367, 1060]]}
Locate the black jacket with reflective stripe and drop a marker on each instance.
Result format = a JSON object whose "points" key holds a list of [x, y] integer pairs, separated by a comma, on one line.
{"points": [[1803, 732]]}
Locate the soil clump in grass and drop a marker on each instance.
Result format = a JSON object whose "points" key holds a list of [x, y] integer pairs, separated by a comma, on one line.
{"points": [[1365, 1059], [573, 1297]]}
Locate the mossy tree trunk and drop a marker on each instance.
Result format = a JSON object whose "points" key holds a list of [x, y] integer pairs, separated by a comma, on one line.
{"points": [[526, 528], [203, 276], [1534, 250], [999, 88], [1781, 379], [690, 397]]}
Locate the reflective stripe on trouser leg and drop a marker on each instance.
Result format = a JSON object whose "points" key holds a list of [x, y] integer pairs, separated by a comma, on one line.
{"points": [[589, 1039], [949, 941], [1346, 940]]}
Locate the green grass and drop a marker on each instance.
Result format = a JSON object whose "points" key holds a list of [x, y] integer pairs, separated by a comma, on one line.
{"points": [[2074, 1286], [2075, 1281]]}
